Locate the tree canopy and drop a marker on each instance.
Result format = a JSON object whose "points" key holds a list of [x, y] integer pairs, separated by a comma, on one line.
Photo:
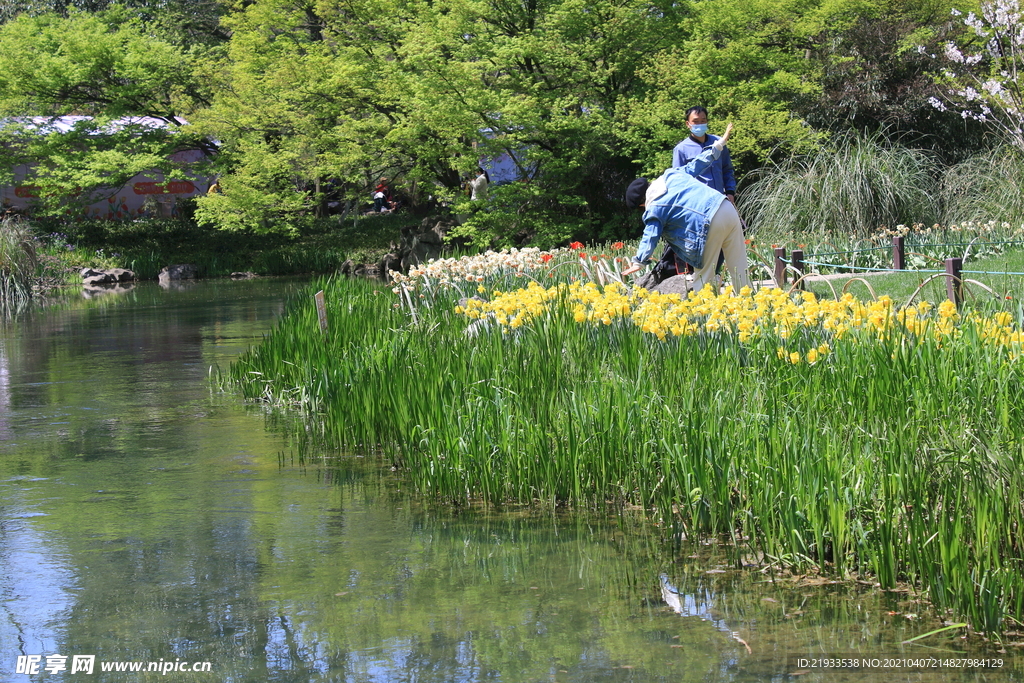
{"points": [[123, 88], [302, 96]]}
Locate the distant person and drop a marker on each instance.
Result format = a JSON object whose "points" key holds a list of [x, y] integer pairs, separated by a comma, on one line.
{"points": [[215, 188], [382, 196], [478, 185], [692, 218]]}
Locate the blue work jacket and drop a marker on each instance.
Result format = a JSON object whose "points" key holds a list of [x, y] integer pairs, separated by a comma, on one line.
{"points": [[682, 214], [719, 175]]}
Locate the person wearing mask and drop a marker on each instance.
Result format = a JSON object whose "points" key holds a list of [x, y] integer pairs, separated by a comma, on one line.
{"points": [[719, 175], [694, 219]]}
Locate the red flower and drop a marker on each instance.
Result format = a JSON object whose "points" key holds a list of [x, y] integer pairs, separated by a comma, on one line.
{"points": [[545, 258], [583, 254], [618, 245], [595, 258], [575, 245]]}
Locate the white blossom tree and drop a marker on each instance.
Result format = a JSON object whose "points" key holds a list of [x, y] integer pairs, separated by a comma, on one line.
{"points": [[981, 78]]}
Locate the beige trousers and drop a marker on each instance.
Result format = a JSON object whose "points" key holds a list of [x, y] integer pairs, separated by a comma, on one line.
{"points": [[724, 234]]}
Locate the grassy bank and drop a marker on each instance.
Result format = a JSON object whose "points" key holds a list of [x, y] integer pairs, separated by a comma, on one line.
{"points": [[856, 449]]}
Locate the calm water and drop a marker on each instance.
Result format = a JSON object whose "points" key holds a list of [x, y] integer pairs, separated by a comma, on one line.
{"points": [[145, 518]]}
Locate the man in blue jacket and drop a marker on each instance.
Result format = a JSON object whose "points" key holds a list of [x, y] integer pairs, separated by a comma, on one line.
{"points": [[694, 219], [719, 175]]}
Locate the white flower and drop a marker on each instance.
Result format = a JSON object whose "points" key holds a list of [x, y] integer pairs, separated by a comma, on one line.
{"points": [[992, 87], [953, 53]]}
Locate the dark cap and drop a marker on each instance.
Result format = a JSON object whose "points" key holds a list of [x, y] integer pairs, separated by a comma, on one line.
{"points": [[636, 193]]}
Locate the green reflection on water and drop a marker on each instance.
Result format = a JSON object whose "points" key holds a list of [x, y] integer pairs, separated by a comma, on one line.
{"points": [[144, 517]]}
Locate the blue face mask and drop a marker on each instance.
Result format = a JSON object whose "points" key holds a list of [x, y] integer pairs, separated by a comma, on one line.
{"points": [[699, 129]]}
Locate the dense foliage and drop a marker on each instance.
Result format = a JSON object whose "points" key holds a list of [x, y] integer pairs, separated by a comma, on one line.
{"points": [[316, 100]]}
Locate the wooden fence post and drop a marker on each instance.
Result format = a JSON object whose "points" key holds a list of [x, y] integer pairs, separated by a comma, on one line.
{"points": [[797, 261], [954, 280], [899, 254], [780, 266], [321, 310]]}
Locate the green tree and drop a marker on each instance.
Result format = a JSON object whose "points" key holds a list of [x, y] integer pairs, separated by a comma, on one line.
{"points": [[308, 92], [183, 22], [874, 76], [125, 87], [422, 91]]}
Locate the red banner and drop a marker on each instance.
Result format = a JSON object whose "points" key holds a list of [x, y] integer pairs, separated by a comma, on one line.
{"points": [[173, 187], [180, 187]]}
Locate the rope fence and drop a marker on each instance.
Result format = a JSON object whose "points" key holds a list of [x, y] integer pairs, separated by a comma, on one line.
{"points": [[953, 271]]}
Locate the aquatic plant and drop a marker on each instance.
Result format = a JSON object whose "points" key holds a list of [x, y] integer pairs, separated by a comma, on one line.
{"points": [[844, 437]]}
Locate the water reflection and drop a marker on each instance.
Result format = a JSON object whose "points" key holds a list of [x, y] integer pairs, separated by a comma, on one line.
{"points": [[38, 584], [94, 291]]}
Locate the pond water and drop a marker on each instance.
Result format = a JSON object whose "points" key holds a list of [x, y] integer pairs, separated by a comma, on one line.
{"points": [[147, 518]]}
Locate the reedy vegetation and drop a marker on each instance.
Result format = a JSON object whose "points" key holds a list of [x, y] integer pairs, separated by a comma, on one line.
{"points": [[17, 263], [853, 184], [893, 455]]}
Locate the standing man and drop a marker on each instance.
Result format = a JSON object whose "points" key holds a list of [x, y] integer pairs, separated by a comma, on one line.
{"points": [[719, 175], [695, 220]]}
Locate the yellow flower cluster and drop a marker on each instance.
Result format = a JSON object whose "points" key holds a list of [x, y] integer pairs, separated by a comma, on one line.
{"points": [[750, 315], [592, 304], [512, 309]]}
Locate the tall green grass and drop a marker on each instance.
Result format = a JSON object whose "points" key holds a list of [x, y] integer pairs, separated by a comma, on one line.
{"points": [[851, 188], [891, 460], [17, 263]]}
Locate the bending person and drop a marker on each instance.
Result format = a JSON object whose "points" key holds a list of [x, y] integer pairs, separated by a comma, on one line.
{"points": [[692, 218]]}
